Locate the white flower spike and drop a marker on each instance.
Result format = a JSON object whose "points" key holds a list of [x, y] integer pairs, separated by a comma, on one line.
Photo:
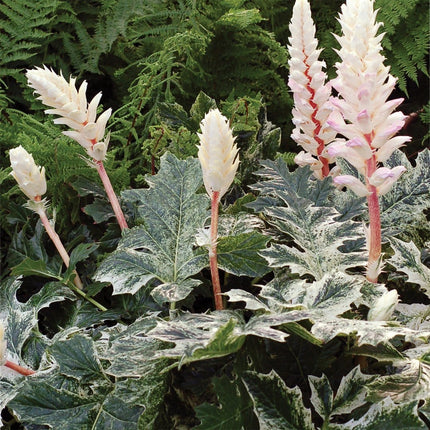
{"points": [[73, 109], [30, 178], [311, 93], [364, 117], [217, 153]]}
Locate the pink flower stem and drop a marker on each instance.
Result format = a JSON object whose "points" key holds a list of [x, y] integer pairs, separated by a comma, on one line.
{"points": [[213, 252], [19, 369], [374, 224], [111, 195], [59, 245]]}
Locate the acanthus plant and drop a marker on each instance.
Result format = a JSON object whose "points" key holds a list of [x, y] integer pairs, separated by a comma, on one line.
{"points": [[360, 112], [303, 340]]}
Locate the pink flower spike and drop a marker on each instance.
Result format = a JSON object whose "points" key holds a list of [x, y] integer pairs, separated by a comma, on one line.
{"points": [[310, 90], [352, 183]]}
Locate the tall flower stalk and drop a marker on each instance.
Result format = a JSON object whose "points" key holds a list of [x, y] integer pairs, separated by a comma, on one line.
{"points": [[73, 110], [311, 93], [32, 182], [10, 364], [364, 116], [219, 160]]}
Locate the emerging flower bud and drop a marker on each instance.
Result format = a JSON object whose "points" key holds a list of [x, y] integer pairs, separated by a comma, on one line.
{"points": [[383, 308], [30, 178], [72, 107], [2, 345], [217, 153]]}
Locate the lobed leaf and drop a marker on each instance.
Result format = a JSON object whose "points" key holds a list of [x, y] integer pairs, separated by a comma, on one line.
{"points": [[161, 250], [407, 259], [276, 405]]}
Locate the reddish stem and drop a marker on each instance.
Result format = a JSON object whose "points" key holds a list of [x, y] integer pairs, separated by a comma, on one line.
{"points": [[59, 245], [111, 195], [213, 252], [374, 221], [19, 369]]}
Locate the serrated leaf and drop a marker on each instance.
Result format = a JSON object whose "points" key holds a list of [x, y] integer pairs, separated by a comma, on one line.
{"points": [[20, 317], [332, 295], [367, 332], [29, 267], [322, 243], [100, 211], [161, 250], [387, 415], [42, 404], [407, 259], [402, 209], [204, 336], [326, 298], [201, 106], [351, 393], [410, 382], [77, 358], [318, 236], [322, 396], [276, 405], [235, 410], [239, 256]]}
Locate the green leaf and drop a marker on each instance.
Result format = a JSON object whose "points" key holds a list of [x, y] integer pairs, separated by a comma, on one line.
{"points": [[240, 19], [367, 332], [407, 259], [22, 318], [42, 404], [332, 295], [292, 205], [276, 405], [100, 210], [204, 336], [351, 393], [235, 409], [239, 254], [322, 396], [387, 415], [29, 267], [161, 250], [201, 106], [402, 209], [410, 382], [77, 358]]}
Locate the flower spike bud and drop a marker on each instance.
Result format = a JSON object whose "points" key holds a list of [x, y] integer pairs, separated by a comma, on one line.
{"points": [[219, 160], [72, 108], [30, 178], [217, 153], [383, 308], [311, 93]]}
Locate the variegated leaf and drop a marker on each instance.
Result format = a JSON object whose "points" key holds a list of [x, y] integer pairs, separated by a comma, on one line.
{"points": [[161, 250], [406, 259]]}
